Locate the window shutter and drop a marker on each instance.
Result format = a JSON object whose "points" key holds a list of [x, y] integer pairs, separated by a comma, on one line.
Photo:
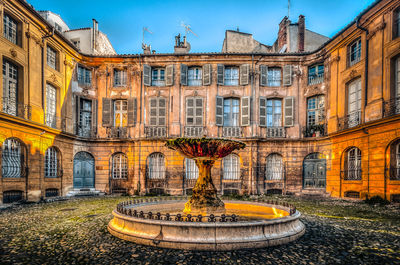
{"points": [[199, 111], [162, 111], [170, 75], [153, 111], [289, 111], [219, 113], [132, 111], [206, 74], [263, 75], [287, 75], [94, 116], [220, 74], [190, 110], [146, 75], [184, 74], [245, 117], [244, 74], [107, 112], [263, 112], [78, 113]]}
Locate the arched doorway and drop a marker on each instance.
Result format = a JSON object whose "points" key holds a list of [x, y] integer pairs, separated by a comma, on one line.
{"points": [[83, 170], [314, 171]]}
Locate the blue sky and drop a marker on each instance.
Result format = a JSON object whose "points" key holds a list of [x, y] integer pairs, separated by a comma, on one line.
{"points": [[123, 20]]}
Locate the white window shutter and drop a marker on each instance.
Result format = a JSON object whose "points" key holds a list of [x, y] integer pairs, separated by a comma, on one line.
{"points": [[289, 111], [206, 74], [184, 74], [263, 75], [287, 75], [244, 74], [245, 115], [219, 112], [220, 74], [263, 112], [169, 75], [146, 75]]}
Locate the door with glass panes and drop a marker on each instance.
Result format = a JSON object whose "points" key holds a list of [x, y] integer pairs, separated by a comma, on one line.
{"points": [[354, 103]]}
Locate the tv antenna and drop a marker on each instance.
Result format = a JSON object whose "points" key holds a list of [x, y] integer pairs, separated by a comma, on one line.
{"points": [[144, 30], [187, 29], [288, 9]]}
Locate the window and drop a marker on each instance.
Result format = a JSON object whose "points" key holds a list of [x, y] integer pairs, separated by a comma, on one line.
{"points": [[315, 110], [274, 167], [84, 76], [274, 113], [51, 103], [315, 74], [58, 27], [354, 103], [194, 76], [77, 43], [11, 196], [52, 57], [157, 111], [231, 112], [354, 52], [274, 76], [396, 23], [51, 163], [353, 164], [231, 76], [194, 111], [10, 88], [156, 166], [395, 161], [120, 113], [13, 159], [119, 77], [231, 167], [158, 77], [85, 117], [10, 29], [192, 171], [119, 166]]}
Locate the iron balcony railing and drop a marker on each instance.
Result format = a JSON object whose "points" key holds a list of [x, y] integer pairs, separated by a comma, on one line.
{"points": [[53, 121], [9, 106], [117, 132], [350, 120], [232, 131], [155, 131], [315, 130], [391, 107], [275, 132], [316, 79], [351, 174], [194, 131]]}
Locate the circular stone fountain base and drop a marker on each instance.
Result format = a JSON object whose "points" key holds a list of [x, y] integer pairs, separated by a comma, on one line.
{"points": [[246, 225]]}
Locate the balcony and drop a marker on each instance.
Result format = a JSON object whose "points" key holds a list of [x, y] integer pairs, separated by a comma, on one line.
{"points": [[9, 106], [315, 79], [275, 132], [117, 132], [391, 107], [194, 131], [350, 120], [155, 131], [233, 131], [315, 130]]}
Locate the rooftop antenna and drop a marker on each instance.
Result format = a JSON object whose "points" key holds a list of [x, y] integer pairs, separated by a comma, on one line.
{"points": [[187, 29], [145, 29], [288, 9]]}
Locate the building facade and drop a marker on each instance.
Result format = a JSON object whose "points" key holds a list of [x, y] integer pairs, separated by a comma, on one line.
{"points": [[324, 121]]}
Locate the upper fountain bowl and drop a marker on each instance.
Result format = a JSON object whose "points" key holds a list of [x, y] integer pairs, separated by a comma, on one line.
{"points": [[205, 148]]}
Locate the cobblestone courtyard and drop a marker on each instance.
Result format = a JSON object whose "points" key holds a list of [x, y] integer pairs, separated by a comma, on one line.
{"points": [[74, 232]]}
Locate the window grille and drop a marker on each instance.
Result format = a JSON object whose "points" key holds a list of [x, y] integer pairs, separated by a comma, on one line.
{"points": [[156, 166], [315, 110], [10, 85], [353, 164], [51, 163], [274, 168], [12, 196], [355, 52], [231, 112], [51, 57], [195, 76], [194, 111], [274, 76], [158, 77], [120, 113], [51, 101], [52, 193], [119, 166], [231, 76], [84, 76], [231, 167], [192, 171], [316, 74], [10, 28], [119, 77], [352, 194], [13, 159], [274, 113]]}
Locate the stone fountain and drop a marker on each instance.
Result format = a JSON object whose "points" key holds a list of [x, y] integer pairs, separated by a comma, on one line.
{"points": [[205, 222]]}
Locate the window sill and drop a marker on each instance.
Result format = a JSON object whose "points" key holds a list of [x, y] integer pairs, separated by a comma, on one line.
{"points": [[352, 181], [12, 43], [16, 179]]}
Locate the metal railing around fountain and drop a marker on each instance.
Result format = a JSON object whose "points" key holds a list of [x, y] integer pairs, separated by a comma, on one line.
{"points": [[122, 209]]}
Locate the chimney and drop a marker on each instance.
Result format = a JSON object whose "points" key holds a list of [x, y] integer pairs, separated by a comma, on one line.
{"points": [[302, 32], [282, 33], [95, 30]]}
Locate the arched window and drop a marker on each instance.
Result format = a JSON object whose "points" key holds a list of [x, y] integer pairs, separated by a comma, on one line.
{"points": [[231, 167], [274, 167], [352, 164], [13, 159], [192, 171], [52, 163], [119, 166], [156, 166], [395, 161]]}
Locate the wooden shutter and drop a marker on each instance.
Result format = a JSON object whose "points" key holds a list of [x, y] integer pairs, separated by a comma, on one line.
{"points": [[198, 111], [162, 111], [190, 110], [245, 113], [169, 75], [263, 75], [153, 111], [244, 74], [78, 114], [263, 112], [146, 75], [206, 74], [220, 74], [107, 112], [94, 116], [132, 111], [184, 74], [289, 111], [219, 112], [287, 75]]}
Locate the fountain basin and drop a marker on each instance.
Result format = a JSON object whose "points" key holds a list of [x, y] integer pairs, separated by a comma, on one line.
{"points": [[262, 226]]}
